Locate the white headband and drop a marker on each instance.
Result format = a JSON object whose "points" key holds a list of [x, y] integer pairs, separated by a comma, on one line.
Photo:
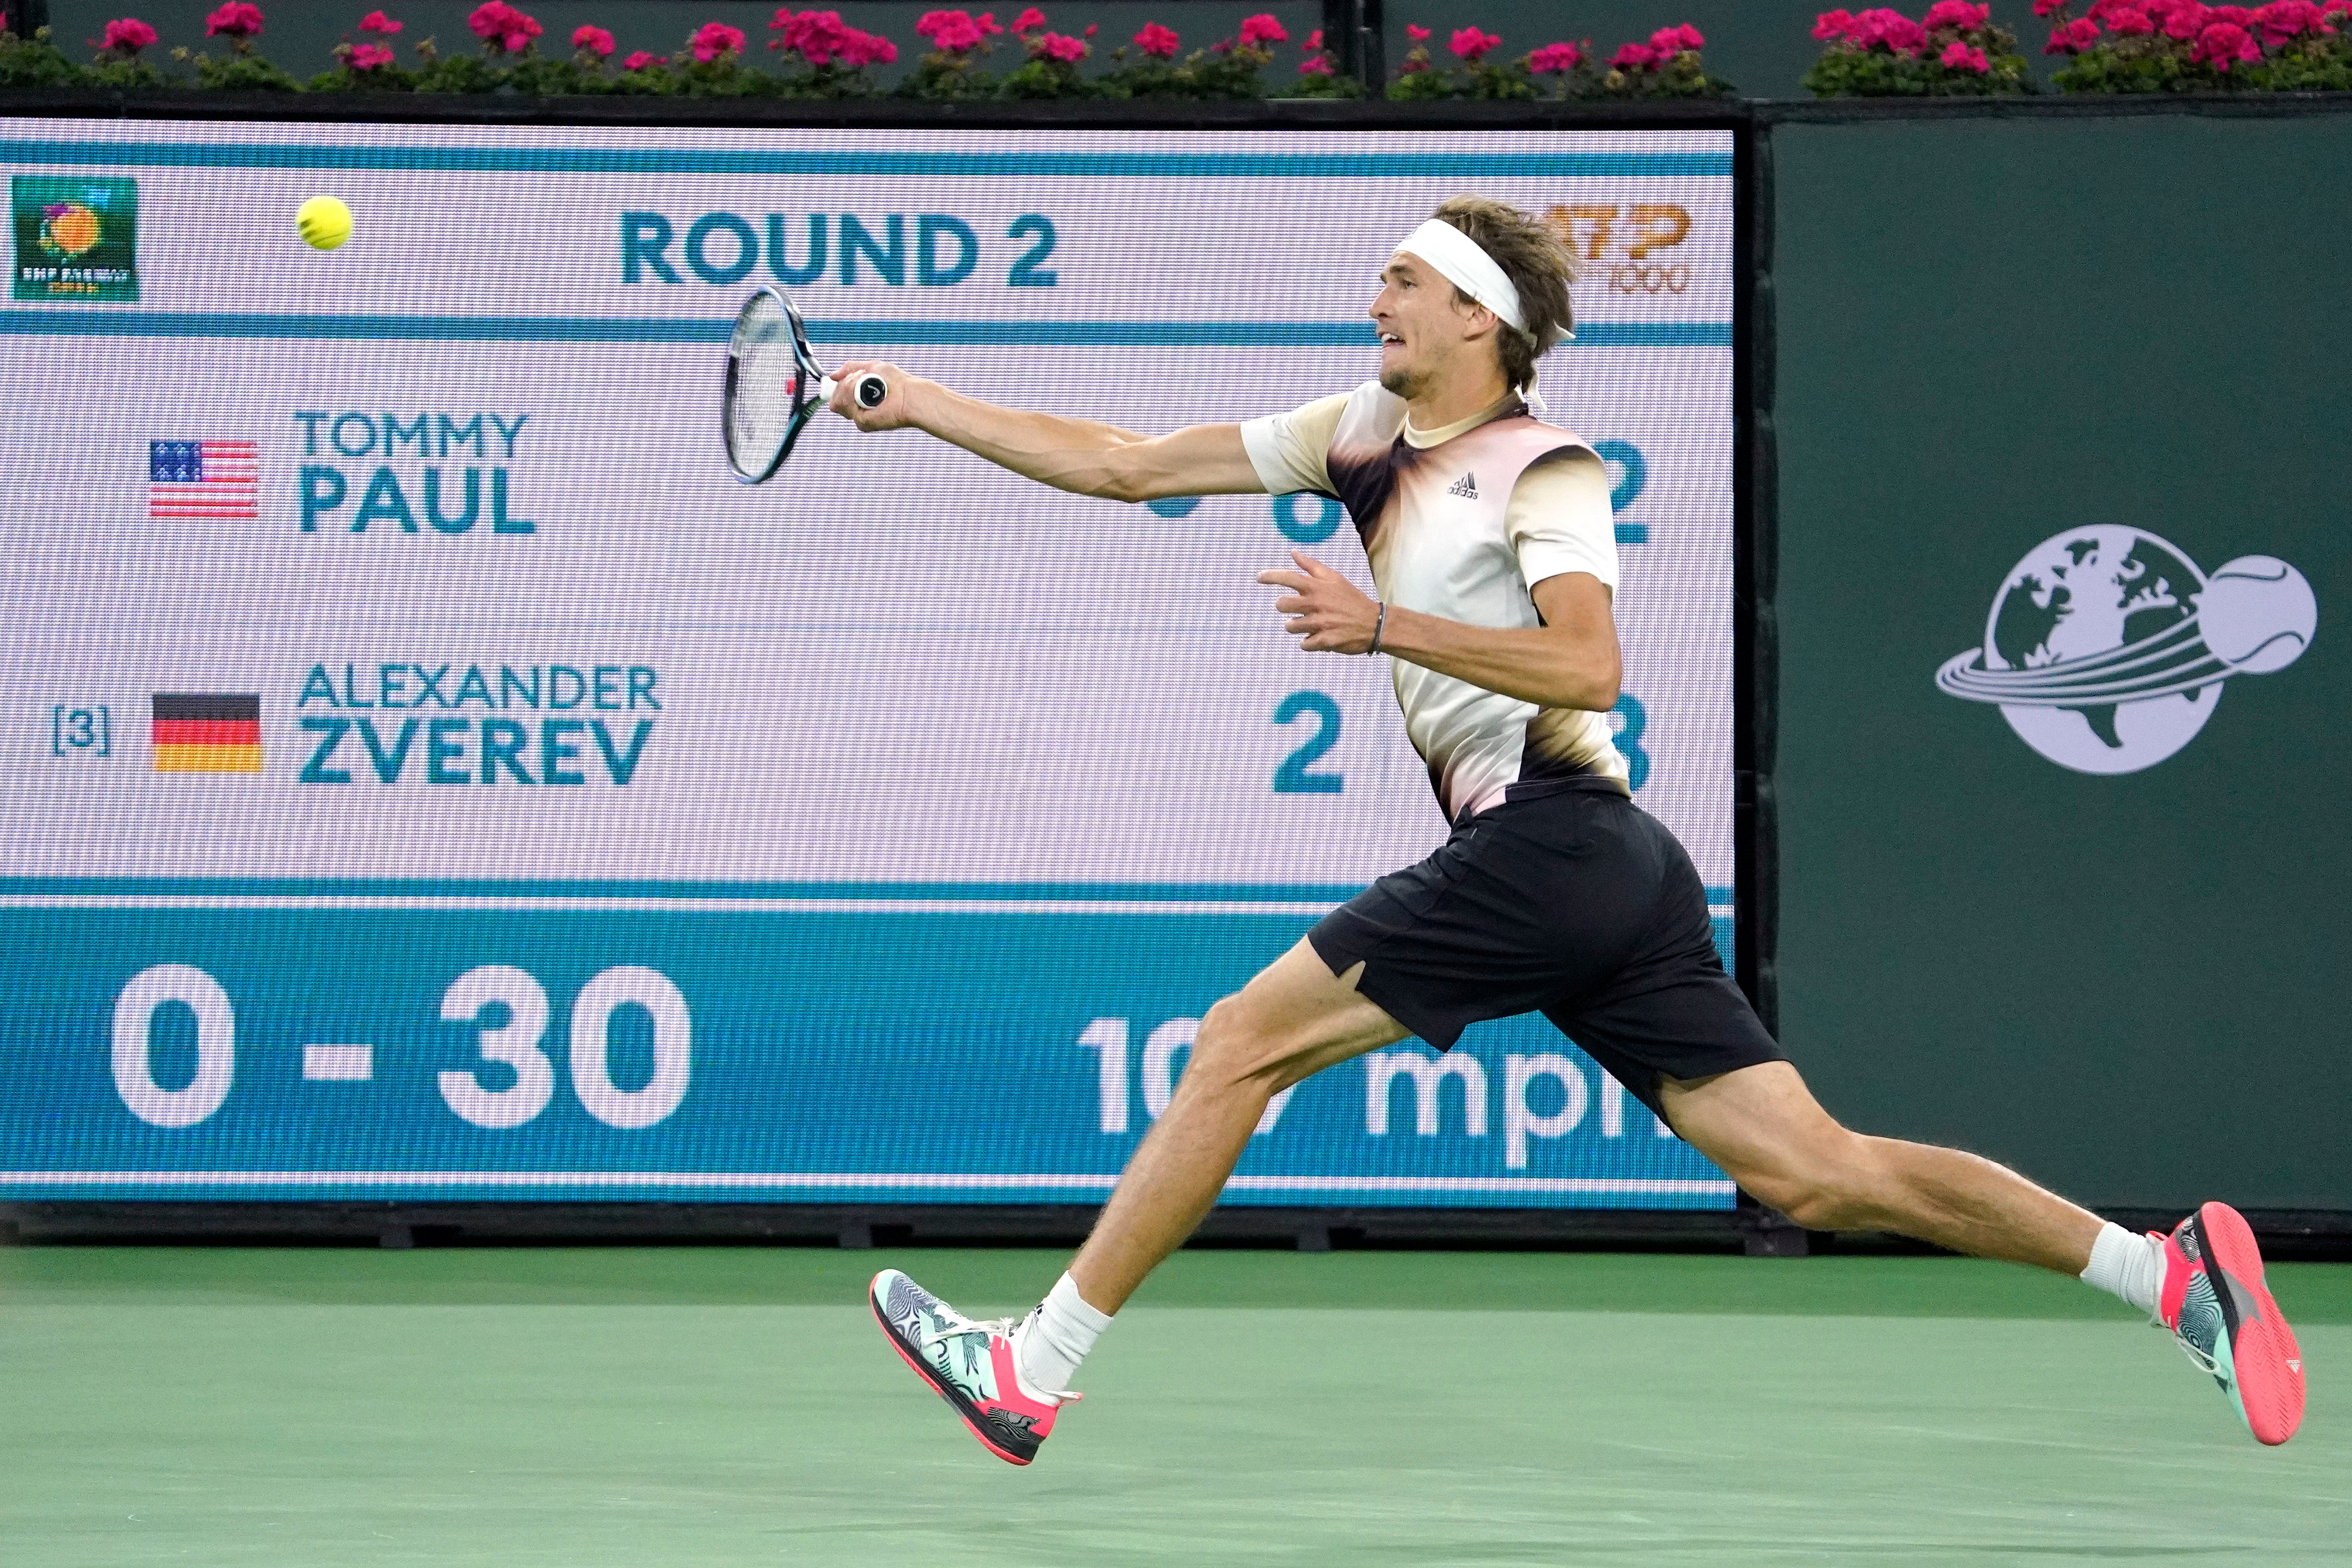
{"points": [[1464, 263]]}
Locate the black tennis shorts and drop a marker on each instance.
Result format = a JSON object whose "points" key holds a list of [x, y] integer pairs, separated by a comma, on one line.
{"points": [[1569, 900]]}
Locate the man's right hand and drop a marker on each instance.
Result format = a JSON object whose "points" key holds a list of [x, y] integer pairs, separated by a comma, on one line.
{"points": [[892, 412]]}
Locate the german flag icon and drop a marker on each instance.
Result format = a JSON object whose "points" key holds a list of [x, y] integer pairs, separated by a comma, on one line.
{"points": [[207, 732]]}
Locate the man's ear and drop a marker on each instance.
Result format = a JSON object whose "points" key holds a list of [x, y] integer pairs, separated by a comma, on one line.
{"points": [[1478, 322]]}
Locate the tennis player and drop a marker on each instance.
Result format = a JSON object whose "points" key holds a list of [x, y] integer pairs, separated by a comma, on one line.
{"points": [[1491, 541]]}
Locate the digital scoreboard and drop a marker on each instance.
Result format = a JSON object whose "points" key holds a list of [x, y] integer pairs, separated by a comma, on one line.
{"points": [[428, 773]]}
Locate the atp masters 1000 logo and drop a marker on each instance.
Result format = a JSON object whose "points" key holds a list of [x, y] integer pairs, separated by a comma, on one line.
{"points": [[77, 238], [2107, 648]]}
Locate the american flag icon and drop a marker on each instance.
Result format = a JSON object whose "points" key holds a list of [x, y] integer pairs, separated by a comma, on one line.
{"points": [[203, 478]]}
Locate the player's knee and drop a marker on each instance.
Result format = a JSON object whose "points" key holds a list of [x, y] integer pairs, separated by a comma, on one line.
{"points": [[1831, 1187], [1229, 1055], [1222, 1049]]}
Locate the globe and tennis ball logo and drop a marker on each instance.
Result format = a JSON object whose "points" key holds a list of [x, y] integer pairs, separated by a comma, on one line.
{"points": [[2107, 648]]}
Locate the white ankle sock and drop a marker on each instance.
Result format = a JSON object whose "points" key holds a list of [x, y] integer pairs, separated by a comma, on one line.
{"points": [[2128, 1267], [1052, 1340]]}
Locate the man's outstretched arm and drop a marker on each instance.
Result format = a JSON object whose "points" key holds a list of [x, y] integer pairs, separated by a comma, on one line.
{"points": [[1080, 456]]}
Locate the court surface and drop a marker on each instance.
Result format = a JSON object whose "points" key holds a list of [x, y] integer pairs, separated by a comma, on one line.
{"points": [[595, 1408]]}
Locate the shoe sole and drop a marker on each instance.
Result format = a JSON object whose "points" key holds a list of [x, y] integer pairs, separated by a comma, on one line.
{"points": [[2266, 1365], [955, 1401]]}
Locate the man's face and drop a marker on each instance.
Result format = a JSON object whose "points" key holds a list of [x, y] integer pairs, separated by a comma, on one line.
{"points": [[1424, 330]]}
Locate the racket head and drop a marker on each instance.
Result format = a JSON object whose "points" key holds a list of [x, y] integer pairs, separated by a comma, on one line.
{"points": [[771, 392]]}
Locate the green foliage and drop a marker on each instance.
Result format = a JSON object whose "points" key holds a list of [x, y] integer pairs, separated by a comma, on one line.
{"points": [[725, 77], [1038, 78], [1315, 84], [34, 62], [127, 76], [1226, 75], [1683, 76], [342, 78], [652, 81], [947, 76], [1850, 69], [827, 83], [1854, 73], [2159, 64], [458, 73], [242, 71], [558, 78]]}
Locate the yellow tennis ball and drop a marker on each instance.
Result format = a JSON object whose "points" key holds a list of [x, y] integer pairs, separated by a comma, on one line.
{"points": [[324, 222]]}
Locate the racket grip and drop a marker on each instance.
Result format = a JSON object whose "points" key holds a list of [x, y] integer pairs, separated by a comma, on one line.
{"points": [[871, 390]]}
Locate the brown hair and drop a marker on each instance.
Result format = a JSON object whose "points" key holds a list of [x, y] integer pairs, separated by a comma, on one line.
{"points": [[1531, 255]]}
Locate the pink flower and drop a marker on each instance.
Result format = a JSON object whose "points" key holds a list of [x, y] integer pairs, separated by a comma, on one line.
{"points": [[370, 56], [1222, 46], [714, 40], [1555, 59], [1263, 29], [1959, 56], [860, 49], [2236, 15], [1898, 33], [1315, 38], [2223, 42], [988, 24], [1062, 46], [377, 22], [641, 59], [127, 34], [2183, 21], [2285, 19], [1470, 44], [2043, 7], [1671, 41], [815, 36], [1091, 28], [501, 25], [1831, 25], [2071, 38], [1031, 18], [236, 20], [1633, 57], [1419, 35], [594, 41], [1316, 65], [2126, 23], [1157, 41], [1957, 13], [954, 31]]}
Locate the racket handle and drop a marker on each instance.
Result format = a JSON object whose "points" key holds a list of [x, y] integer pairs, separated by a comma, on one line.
{"points": [[871, 390]]}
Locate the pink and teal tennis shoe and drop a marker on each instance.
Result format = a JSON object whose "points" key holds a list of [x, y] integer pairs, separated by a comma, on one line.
{"points": [[969, 1365], [2216, 1305]]}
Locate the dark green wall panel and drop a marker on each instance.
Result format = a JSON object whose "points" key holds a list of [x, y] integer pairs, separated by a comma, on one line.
{"points": [[1990, 331]]}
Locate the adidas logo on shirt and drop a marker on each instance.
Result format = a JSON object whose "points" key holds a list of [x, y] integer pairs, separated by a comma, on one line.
{"points": [[1466, 486]]}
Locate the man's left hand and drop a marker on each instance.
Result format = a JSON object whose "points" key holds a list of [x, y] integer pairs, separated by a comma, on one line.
{"points": [[1330, 614]]}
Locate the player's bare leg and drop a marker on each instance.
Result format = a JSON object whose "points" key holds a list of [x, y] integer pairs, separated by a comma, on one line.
{"points": [[2204, 1281], [1005, 1380], [1292, 1021], [1767, 1132]]}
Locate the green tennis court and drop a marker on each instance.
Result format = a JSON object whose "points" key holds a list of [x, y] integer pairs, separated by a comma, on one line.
{"points": [[597, 1407]]}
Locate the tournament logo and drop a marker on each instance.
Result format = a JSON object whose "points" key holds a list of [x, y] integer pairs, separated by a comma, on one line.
{"points": [[2107, 648], [77, 238]]}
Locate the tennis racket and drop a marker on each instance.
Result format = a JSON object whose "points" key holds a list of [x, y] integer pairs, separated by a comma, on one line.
{"points": [[775, 387]]}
